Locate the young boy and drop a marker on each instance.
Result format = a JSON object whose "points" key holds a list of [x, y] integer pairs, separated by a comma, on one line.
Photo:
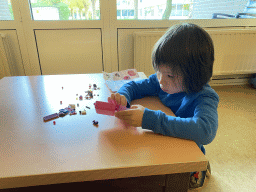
{"points": [[183, 60]]}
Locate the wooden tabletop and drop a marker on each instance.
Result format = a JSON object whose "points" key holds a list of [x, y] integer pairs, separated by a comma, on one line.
{"points": [[34, 152]]}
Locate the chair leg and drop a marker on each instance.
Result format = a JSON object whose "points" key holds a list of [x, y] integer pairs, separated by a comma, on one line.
{"points": [[208, 171]]}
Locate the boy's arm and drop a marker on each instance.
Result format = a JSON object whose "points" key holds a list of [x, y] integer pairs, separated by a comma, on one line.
{"points": [[139, 89], [201, 128]]}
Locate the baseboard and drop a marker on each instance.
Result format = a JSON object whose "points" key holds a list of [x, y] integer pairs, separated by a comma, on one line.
{"points": [[230, 80], [217, 82]]}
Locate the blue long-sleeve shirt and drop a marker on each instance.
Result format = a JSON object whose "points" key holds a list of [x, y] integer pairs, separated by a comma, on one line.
{"points": [[196, 114]]}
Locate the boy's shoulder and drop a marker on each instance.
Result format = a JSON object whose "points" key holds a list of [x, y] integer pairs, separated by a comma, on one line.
{"points": [[207, 91]]}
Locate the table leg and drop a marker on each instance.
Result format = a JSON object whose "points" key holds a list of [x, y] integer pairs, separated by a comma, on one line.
{"points": [[177, 182]]}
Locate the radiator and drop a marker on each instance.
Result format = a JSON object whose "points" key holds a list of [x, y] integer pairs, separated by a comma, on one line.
{"points": [[4, 55], [235, 51]]}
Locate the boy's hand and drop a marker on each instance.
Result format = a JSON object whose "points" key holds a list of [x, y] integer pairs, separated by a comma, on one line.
{"points": [[133, 116], [120, 99]]}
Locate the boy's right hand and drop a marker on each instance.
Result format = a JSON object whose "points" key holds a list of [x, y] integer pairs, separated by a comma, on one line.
{"points": [[120, 99]]}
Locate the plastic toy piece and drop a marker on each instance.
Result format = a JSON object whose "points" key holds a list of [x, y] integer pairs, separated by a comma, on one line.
{"points": [[89, 94], [51, 117], [95, 122], [83, 112], [54, 122], [72, 106], [88, 107], [108, 108], [81, 98], [72, 113], [66, 110], [61, 114], [196, 176], [105, 108], [61, 102]]}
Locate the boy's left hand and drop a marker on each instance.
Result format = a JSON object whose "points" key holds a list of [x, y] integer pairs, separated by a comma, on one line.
{"points": [[133, 116]]}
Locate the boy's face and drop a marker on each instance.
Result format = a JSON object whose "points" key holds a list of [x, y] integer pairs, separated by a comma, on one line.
{"points": [[169, 83]]}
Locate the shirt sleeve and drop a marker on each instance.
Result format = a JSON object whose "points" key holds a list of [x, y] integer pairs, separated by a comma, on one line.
{"points": [[139, 89], [201, 128]]}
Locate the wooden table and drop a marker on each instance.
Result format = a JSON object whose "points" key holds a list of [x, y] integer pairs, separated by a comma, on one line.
{"points": [[74, 153]]}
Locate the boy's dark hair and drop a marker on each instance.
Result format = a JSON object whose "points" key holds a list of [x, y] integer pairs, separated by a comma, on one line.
{"points": [[188, 50]]}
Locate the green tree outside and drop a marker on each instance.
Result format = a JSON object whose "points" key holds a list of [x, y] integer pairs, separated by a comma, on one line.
{"points": [[66, 7], [168, 9]]}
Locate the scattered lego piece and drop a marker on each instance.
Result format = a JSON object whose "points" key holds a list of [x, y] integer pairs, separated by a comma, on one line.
{"points": [[81, 97], [77, 98], [89, 94], [95, 123], [72, 106], [73, 113], [77, 104], [83, 112], [62, 88], [98, 95], [61, 102], [87, 107], [50, 117], [69, 109], [61, 114], [76, 94], [80, 112], [66, 110], [54, 122]]}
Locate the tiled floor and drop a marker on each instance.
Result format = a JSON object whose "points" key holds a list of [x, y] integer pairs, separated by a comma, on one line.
{"points": [[232, 154]]}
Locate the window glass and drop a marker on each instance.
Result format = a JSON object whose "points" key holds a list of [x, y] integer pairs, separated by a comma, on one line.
{"points": [[65, 9], [186, 9], [6, 12]]}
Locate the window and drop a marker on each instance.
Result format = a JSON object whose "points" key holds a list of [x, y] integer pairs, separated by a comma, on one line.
{"points": [[65, 9], [124, 12], [118, 13], [131, 12], [189, 9], [6, 12]]}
